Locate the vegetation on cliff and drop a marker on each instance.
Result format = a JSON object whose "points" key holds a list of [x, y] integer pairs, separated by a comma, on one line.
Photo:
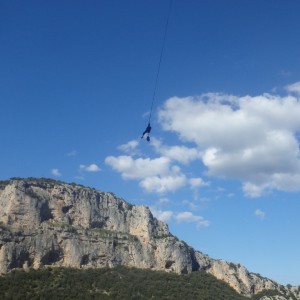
{"points": [[116, 283], [274, 294]]}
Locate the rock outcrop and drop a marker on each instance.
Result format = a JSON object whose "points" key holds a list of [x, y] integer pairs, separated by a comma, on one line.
{"points": [[45, 222]]}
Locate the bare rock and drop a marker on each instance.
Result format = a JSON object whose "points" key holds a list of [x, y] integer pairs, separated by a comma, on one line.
{"points": [[45, 222]]}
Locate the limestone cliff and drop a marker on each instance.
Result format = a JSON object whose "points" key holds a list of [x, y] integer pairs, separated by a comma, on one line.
{"points": [[45, 222]]}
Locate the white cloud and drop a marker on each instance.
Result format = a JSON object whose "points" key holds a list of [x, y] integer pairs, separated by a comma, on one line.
{"points": [[187, 216], [130, 147], [56, 172], [260, 214], [191, 204], [197, 182], [72, 153], [90, 168], [161, 215], [163, 184], [294, 88], [160, 174], [252, 139], [163, 201], [139, 168], [155, 175], [181, 154], [229, 125], [253, 190]]}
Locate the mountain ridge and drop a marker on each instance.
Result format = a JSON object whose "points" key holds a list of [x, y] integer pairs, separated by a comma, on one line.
{"points": [[48, 222]]}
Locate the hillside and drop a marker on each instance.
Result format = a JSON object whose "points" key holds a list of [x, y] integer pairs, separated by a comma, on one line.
{"points": [[50, 223]]}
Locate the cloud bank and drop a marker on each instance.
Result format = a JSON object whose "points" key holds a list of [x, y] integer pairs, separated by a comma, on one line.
{"points": [[154, 175], [252, 139]]}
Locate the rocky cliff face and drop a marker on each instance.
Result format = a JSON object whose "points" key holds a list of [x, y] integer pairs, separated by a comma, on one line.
{"points": [[45, 222]]}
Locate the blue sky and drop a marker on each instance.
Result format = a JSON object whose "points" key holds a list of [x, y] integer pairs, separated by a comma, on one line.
{"points": [[222, 168]]}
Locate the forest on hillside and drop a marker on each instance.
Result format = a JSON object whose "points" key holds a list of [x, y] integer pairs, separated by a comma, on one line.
{"points": [[117, 283]]}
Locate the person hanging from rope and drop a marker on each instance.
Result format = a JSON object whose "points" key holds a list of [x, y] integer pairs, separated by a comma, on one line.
{"points": [[147, 130]]}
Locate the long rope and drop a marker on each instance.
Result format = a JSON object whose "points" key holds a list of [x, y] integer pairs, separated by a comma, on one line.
{"points": [[160, 58]]}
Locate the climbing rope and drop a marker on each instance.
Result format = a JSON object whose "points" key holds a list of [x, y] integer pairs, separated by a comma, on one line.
{"points": [[160, 59]]}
